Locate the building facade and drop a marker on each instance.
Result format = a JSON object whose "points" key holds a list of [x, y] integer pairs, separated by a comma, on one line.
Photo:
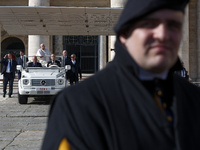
{"points": [[93, 52]]}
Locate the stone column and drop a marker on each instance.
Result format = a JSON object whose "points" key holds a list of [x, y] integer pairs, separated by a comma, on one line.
{"points": [[0, 41], [34, 41], [112, 39], [198, 42], [117, 3], [39, 2], [1, 77], [184, 47], [112, 47], [102, 52], [58, 44], [193, 23]]}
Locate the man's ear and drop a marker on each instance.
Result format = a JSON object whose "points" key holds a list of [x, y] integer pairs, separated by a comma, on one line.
{"points": [[122, 39]]}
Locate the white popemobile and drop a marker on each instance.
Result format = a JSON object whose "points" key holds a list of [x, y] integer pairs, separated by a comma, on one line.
{"points": [[41, 81]]}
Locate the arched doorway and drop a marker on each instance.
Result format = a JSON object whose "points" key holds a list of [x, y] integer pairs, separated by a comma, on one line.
{"points": [[12, 45]]}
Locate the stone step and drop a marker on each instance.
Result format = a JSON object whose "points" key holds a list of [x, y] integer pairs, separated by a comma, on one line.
{"points": [[15, 83]]}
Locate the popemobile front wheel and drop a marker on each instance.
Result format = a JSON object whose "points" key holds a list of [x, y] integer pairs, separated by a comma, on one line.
{"points": [[22, 99]]}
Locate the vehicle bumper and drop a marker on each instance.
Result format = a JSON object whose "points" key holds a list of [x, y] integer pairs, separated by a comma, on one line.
{"points": [[39, 92]]}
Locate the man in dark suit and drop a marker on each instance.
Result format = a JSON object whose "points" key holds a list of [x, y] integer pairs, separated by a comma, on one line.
{"points": [[67, 61], [20, 61], [75, 70], [8, 71], [53, 61], [34, 63]]}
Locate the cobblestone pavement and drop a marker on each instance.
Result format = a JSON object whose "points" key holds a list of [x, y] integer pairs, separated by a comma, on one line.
{"points": [[22, 127]]}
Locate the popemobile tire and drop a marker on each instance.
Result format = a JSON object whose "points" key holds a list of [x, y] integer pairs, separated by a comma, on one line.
{"points": [[22, 99]]}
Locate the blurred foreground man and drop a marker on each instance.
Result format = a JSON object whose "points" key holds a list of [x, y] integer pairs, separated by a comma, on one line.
{"points": [[136, 102]]}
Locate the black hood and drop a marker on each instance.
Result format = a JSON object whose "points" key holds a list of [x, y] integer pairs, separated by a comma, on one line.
{"points": [[136, 9]]}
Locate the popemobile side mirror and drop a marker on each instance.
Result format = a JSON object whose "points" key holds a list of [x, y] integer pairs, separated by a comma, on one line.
{"points": [[67, 67], [19, 67]]}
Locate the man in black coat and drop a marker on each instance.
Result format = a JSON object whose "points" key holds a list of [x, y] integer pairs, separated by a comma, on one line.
{"points": [[136, 102], [20, 61], [34, 62], [67, 61], [53, 61], [75, 70], [8, 71]]}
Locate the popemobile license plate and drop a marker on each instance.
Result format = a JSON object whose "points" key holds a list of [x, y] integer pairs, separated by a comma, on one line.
{"points": [[43, 89]]}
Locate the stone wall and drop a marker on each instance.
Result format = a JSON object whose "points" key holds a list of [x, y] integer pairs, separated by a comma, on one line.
{"points": [[67, 3], [81, 3], [193, 46], [184, 47], [13, 2]]}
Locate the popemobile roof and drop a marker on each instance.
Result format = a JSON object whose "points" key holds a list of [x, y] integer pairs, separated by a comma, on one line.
{"points": [[47, 20]]}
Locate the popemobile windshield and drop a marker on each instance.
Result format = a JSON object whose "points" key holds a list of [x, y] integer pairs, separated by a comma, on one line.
{"points": [[41, 81]]}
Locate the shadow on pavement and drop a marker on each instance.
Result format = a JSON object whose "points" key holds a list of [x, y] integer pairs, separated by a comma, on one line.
{"points": [[39, 101]]}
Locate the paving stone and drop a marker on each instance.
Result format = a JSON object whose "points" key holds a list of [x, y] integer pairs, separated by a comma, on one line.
{"points": [[30, 136], [22, 127], [7, 136], [35, 127], [25, 145], [4, 143]]}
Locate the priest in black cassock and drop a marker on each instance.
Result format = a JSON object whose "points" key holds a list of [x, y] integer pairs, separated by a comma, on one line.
{"points": [[136, 102]]}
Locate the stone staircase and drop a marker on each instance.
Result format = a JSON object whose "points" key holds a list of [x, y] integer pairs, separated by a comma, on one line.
{"points": [[15, 83]]}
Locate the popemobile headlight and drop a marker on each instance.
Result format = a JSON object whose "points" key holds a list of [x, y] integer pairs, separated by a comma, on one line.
{"points": [[25, 81], [60, 81]]}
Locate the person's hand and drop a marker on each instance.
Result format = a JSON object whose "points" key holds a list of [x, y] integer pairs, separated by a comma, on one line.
{"points": [[6, 56]]}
